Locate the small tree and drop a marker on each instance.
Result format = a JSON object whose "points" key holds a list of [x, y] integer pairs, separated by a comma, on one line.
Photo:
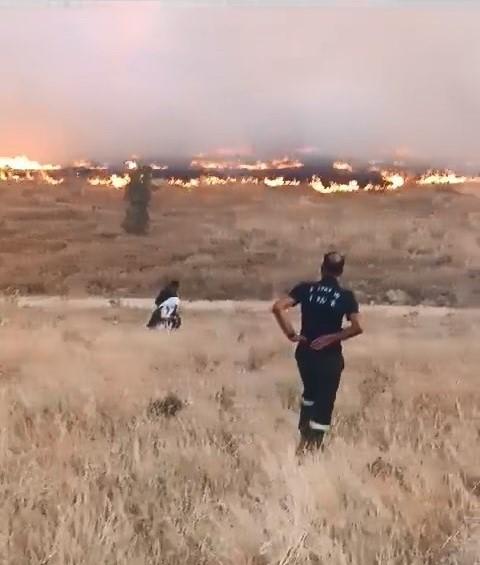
{"points": [[137, 196]]}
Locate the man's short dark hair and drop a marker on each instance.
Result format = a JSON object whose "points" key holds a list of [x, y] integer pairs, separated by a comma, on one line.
{"points": [[333, 263]]}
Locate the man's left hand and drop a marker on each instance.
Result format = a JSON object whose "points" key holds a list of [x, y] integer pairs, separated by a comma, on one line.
{"points": [[323, 341]]}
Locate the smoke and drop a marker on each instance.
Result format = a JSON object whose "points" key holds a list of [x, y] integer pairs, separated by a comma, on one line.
{"points": [[108, 79]]}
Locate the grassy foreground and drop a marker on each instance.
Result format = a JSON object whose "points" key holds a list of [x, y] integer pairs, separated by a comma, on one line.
{"points": [[122, 446]]}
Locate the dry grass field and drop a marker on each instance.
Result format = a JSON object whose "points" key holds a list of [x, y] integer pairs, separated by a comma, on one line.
{"points": [[242, 242], [121, 446]]}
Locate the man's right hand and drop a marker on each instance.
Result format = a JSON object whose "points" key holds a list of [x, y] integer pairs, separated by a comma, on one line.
{"points": [[324, 341], [296, 338]]}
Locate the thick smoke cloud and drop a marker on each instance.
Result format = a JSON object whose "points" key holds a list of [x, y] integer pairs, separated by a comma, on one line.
{"points": [[106, 80]]}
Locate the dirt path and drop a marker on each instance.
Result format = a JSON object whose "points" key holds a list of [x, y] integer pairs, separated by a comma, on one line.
{"points": [[93, 302]]}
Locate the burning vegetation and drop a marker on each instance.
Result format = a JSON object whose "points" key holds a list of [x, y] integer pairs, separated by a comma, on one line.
{"points": [[342, 166], [117, 181], [272, 165], [227, 169], [20, 168]]}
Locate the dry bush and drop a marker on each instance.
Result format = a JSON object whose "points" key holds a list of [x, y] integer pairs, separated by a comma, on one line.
{"points": [[126, 446]]}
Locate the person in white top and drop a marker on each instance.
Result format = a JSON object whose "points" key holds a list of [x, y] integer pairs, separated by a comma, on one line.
{"points": [[166, 315]]}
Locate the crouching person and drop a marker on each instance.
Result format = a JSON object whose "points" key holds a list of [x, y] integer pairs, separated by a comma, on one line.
{"points": [[166, 315]]}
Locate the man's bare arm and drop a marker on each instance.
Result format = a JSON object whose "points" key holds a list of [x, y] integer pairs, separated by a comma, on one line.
{"points": [[353, 330], [279, 310]]}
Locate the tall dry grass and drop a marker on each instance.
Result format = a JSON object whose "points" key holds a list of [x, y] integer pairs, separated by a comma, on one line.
{"points": [[124, 446]]}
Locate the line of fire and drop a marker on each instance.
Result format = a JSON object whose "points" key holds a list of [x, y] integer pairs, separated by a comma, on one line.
{"points": [[323, 175]]}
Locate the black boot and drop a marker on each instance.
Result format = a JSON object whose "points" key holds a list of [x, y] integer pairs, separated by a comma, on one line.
{"points": [[316, 440], [310, 440]]}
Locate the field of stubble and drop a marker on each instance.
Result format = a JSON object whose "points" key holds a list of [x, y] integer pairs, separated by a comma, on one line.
{"points": [[121, 446], [418, 246]]}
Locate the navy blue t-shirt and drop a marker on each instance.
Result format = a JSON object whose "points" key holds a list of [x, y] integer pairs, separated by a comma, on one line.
{"points": [[323, 304]]}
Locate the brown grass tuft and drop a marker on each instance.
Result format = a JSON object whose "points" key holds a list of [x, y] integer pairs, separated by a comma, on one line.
{"points": [[168, 406]]}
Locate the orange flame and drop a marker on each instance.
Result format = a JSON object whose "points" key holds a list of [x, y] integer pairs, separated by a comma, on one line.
{"points": [[342, 166], [442, 177], [22, 163], [192, 183], [394, 179], [117, 181], [317, 185], [21, 169], [83, 163], [274, 164], [249, 180], [131, 164], [280, 181], [47, 179]]}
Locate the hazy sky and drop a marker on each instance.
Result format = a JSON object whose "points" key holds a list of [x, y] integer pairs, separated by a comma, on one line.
{"points": [[108, 79]]}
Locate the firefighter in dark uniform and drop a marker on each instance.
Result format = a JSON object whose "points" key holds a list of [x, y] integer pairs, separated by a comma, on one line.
{"points": [[324, 304]]}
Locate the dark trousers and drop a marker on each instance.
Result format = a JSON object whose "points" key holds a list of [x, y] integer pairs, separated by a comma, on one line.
{"points": [[320, 372], [156, 321]]}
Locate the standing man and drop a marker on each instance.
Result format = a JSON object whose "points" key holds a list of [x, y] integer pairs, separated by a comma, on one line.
{"points": [[319, 356]]}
